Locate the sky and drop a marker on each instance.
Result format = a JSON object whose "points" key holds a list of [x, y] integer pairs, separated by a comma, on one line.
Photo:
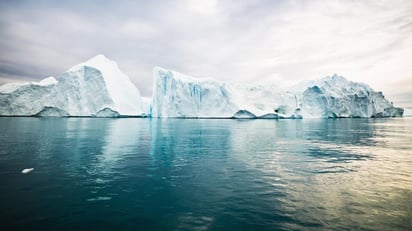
{"points": [[251, 41]]}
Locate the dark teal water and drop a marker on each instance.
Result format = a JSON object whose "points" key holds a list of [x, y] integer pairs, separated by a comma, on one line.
{"points": [[142, 174]]}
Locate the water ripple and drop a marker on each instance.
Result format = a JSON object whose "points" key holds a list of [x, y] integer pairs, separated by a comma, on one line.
{"points": [[352, 174]]}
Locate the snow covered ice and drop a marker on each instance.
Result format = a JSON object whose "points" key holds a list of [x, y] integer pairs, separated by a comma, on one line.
{"points": [[98, 88]]}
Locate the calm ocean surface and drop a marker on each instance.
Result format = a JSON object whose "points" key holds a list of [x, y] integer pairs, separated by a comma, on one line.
{"points": [[183, 174]]}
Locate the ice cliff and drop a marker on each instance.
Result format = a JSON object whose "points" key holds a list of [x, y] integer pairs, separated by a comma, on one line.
{"points": [[96, 87], [182, 96]]}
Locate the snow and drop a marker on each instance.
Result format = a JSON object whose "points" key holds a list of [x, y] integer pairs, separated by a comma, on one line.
{"points": [[83, 90], [47, 81]]}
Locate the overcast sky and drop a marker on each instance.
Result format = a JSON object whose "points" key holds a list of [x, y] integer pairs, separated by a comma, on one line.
{"points": [[260, 41]]}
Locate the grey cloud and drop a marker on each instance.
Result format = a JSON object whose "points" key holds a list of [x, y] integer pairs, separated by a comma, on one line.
{"points": [[248, 41]]}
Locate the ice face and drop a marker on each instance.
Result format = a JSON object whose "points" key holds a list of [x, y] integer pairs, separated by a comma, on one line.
{"points": [[82, 91], [125, 96], [178, 95]]}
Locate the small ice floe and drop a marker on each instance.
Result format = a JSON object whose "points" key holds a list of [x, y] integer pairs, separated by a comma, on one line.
{"points": [[27, 170], [99, 199]]}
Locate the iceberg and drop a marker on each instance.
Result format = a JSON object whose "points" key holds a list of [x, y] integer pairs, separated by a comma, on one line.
{"points": [[181, 96], [335, 96], [96, 87]]}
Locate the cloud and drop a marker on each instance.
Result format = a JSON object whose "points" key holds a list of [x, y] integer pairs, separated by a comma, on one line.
{"points": [[249, 41]]}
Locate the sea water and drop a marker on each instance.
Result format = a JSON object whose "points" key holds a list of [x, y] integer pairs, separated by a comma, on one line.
{"points": [[212, 174]]}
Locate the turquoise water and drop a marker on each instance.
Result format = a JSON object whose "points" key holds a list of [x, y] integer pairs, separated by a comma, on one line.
{"points": [[182, 174]]}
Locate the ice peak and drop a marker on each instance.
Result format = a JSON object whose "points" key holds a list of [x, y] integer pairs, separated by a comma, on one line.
{"points": [[336, 77], [48, 81], [100, 60], [157, 69], [161, 72], [122, 91], [166, 73], [100, 57]]}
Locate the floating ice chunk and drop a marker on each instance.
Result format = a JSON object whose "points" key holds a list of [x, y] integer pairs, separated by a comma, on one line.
{"points": [[99, 199], [27, 170]]}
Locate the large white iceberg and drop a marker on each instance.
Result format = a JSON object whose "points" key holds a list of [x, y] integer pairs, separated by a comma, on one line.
{"points": [[98, 88], [93, 88], [182, 96], [334, 96]]}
